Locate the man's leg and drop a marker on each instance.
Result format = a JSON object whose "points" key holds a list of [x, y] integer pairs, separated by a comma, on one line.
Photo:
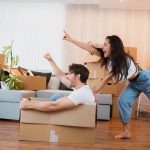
{"points": [[55, 97]]}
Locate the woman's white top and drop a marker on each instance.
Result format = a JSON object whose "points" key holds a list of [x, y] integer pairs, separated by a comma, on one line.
{"points": [[132, 69]]}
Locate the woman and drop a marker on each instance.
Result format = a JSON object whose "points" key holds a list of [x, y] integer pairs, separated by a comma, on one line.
{"points": [[121, 66]]}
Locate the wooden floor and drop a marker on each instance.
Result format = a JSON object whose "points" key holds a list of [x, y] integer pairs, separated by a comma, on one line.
{"points": [[105, 130]]}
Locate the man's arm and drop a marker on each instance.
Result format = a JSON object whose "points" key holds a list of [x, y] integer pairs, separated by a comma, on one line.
{"points": [[59, 73], [47, 106]]}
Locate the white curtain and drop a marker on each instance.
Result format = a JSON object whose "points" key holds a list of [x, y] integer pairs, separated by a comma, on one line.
{"points": [[91, 23], [38, 27], [35, 28]]}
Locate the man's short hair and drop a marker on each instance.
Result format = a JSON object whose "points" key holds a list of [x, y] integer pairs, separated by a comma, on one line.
{"points": [[80, 69]]}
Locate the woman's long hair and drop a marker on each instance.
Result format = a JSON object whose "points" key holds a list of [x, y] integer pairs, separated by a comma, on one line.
{"points": [[119, 58]]}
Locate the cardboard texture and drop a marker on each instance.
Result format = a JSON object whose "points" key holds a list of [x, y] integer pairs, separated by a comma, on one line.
{"points": [[69, 126], [109, 88], [132, 51], [96, 72], [81, 116], [115, 111], [56, 134], [91, 58], [33, 82], [2, 61], [29, 82]]}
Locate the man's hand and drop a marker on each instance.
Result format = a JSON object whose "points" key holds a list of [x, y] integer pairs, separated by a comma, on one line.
{"points": [[48, 56], [66, 37]]}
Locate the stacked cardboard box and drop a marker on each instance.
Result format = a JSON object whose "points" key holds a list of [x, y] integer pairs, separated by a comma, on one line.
{"points": [[30, 82], [132, 51], [97, 73], [2, 62], [69, 126]]}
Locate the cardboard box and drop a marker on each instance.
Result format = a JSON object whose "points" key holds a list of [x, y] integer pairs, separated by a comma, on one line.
{"points": [[55, 133], [109, 88], [29, 82], [81, 116], [69, 126], [33, 82], [132, 51], [96, 72], [115, 110], [91, 58], [2, 60]]}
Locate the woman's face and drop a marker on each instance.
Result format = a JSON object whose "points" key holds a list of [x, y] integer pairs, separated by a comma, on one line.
{"points": [[107, 48]]}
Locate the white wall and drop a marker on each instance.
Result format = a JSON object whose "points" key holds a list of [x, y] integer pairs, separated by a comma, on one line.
{"points": [[35, 28], [38, 27], [91, 23]]}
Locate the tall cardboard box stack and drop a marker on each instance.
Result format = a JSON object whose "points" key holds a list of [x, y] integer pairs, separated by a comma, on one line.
{"points": [[30, 82], [69, 126], [97, 73]]}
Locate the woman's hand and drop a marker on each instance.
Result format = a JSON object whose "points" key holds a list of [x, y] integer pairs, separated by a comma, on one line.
{"points": [[66, 37]]}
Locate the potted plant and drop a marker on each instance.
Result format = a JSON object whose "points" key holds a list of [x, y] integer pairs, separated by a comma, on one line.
{"points": [[9, 81], [11, 60]]}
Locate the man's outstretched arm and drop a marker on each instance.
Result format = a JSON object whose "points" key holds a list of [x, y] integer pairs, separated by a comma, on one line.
{"points": [[59, 73], [47, 106]]}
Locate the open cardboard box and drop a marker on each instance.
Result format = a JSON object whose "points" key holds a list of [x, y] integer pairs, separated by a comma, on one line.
{"points": [[29, 82], [75, 125]]}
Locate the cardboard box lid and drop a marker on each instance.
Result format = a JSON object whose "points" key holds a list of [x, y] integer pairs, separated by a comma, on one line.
{"points": [[81, 116]]}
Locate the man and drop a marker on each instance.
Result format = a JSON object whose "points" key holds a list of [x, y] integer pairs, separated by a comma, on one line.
{"points": [[76, 78]]}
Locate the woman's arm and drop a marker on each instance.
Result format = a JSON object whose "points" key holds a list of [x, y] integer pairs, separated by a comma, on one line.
{"points": [[100, 85], [86, 46]]}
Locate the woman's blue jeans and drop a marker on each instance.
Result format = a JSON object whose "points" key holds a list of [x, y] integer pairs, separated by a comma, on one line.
{"points": [[131, 93]]}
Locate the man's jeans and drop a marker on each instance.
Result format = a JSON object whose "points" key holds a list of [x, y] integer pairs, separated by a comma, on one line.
{"points": [[54, 97]]}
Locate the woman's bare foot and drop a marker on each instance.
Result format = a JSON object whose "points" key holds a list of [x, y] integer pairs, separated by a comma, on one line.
{"points": [[24, 103], [124, 135]]}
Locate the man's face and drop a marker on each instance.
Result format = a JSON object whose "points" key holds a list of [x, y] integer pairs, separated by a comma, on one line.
{"points": [[72, 78]]}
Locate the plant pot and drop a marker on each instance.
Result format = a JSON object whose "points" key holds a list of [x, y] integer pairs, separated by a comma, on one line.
{"points": [[4, 85]]}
